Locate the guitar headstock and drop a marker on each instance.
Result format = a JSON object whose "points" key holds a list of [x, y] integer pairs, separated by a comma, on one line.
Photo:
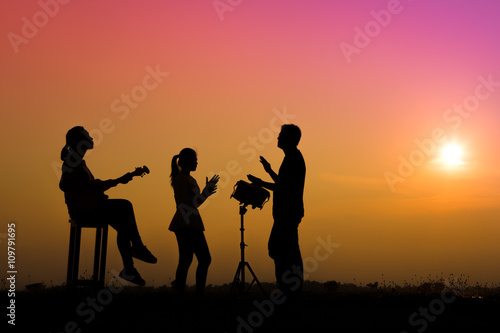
{"points": [[140, 171]]}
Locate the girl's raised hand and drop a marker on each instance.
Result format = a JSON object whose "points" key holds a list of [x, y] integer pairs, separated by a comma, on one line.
{"points": [[211, 185]]}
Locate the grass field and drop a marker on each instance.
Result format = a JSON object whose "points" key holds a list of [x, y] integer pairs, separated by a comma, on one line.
{"points": [[445, 305]]}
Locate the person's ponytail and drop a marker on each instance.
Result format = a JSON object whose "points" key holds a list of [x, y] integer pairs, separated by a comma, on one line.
{"points": [[175, 169], [74, 137], [64, 153], [179, 162]]}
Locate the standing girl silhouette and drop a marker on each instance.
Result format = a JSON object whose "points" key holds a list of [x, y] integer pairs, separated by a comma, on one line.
{"points": [[187, 223]]}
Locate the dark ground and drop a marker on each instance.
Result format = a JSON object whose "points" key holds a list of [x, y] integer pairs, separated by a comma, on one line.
{"points": [[327, 307]]}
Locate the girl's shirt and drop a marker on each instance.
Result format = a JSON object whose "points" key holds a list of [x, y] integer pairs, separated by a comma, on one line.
{"points": [[186, 193]]}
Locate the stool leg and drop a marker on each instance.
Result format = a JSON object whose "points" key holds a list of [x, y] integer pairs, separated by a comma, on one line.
{"points": [[97, 254], [104, 247], [71, 255], [76, 260]]}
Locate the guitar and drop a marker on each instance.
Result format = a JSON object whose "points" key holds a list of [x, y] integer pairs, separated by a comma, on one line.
{"points": [[139, 171], [90, 201]]}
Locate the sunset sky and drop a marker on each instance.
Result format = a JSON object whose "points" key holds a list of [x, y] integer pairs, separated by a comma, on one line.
{"points": [[379, 89]]}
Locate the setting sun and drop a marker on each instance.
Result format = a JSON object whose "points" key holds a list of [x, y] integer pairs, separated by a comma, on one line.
{"points": [[452, 155]]}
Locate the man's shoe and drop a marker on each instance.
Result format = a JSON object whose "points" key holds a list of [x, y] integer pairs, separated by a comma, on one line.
{"points": [[142, 253], [132, 275]]}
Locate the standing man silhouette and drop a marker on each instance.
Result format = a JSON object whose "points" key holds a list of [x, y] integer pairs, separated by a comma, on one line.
{"points": [[288, 211]]}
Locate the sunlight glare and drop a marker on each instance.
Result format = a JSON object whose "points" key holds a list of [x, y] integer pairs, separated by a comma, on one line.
{"points": [[452, 155]]}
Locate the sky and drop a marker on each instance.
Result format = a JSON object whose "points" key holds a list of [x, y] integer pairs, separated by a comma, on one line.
{"points": [[378, 88]]}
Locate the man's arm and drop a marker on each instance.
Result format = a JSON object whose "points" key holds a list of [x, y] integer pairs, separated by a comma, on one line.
{"points": [[261, 183], [269, 170]]}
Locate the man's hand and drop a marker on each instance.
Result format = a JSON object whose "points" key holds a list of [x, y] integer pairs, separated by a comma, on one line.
{"points": [[266, 165], [255, 180]]}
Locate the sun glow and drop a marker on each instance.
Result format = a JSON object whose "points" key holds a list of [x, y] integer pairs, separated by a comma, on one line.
{"points": [[452, 155]]}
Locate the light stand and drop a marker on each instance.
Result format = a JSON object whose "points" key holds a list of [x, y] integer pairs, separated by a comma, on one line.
{"points": [[239, 278]]}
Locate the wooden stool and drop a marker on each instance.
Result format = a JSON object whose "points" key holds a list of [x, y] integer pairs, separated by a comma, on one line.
{"points": [[101, 242]]}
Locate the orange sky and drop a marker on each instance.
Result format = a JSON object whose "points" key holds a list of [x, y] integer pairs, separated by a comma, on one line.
{"points": [[230, 84]]}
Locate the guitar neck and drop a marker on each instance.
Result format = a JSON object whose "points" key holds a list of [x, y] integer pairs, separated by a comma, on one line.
{"points": [[139, 171]]}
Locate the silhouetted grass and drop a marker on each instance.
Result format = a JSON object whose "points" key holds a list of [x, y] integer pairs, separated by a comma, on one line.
{"points": [[327, 307]]}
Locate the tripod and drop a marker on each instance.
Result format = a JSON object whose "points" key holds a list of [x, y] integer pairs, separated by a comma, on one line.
{"points": [[239, 278]]}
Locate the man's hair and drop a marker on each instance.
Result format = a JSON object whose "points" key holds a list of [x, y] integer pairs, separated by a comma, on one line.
{"points": [[293, 132]]}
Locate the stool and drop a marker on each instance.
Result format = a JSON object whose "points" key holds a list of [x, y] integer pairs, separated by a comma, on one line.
{"points": [[101, 242]]}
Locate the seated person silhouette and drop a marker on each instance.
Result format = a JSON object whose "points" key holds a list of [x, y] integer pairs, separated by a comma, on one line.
{"points": [[86, 201]]}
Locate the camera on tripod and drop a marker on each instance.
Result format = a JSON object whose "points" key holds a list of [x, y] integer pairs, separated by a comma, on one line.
{"points": [[250, 194]]}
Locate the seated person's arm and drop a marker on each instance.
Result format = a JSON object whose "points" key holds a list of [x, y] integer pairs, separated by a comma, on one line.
{"points": [[105, 185]]}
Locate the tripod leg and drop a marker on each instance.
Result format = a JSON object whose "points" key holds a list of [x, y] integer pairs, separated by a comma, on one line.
{"points": [[254, 279], [236, 281]]}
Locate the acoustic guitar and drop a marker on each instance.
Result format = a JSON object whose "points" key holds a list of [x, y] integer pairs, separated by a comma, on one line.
{"points": [[90, 201]]}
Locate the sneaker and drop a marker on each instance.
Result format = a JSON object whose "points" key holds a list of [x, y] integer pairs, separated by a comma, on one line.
{"points": [[179, 289], [132, 275], [177, 286], [142, 253]]}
